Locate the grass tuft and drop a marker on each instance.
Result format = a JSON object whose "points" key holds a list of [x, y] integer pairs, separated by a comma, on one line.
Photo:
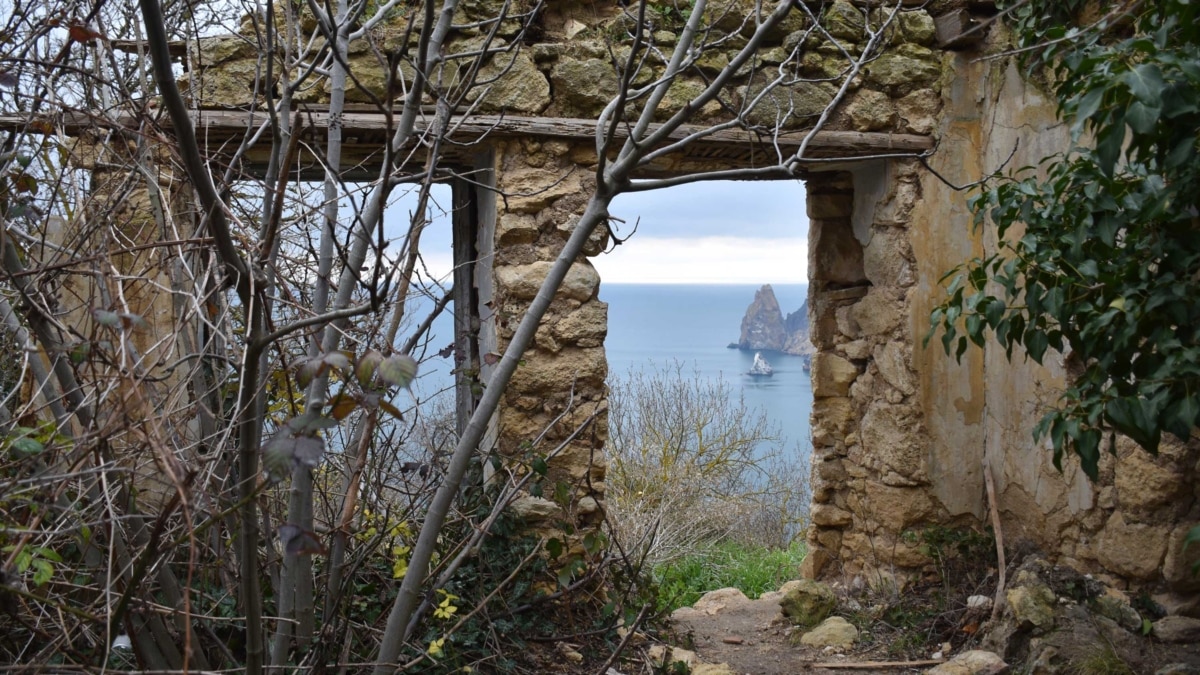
{"points": [[753, 570]]}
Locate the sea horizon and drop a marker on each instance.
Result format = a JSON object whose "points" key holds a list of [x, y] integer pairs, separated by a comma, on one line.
{"points": [[652, 326]]}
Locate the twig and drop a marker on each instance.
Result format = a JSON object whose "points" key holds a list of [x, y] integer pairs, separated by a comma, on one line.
{"points": [[871, 665], [612, 658], [998, 604]]}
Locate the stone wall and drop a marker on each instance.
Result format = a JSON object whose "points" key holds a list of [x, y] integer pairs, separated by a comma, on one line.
{"points": [[901, 433], [560, 384], [1133, 522]]}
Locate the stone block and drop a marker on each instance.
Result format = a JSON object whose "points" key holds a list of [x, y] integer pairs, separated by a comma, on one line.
{"points": [[514, 85], [834, 255], [885, 258], [903, 73], [828, 515], [871, 110], [1032, 603], [876, 314], [897, 508], [917, 26], [787, 105], [715, 601], [815, 562], [890, 439], [532, 189], [582, 87], [806, 602], [833, 632], [833, 414], [513, 229], [973, 662], [918, 111], [1144, 482], [587, 326], [1131, 549], [844, 21], [1177, 629], [892, 361], [856, 350], [534, 509], [831, 471], [831, 375], [1181, 560], [597, 241], [543, 374], [522, 282]]}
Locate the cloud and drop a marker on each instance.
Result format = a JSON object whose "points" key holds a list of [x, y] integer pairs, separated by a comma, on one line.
{"points": [[749, 210], [706, 260], [722, 232]]}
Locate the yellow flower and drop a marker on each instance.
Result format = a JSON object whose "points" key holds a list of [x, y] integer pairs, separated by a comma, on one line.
{"points": [[435, 647]]}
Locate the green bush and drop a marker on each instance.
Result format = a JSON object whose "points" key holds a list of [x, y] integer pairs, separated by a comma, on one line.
{"points": [[754, 570]]}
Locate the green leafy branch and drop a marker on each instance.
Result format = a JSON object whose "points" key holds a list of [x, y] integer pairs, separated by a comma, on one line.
{"points": [[1099, 252]]}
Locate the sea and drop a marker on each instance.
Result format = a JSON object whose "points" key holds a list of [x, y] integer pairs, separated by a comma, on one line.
{"points": [[655, 326]]}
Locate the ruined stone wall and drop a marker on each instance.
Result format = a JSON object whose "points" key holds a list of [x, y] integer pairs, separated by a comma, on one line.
{"points": [[901, 433], [560, 385], [1132, 523]]}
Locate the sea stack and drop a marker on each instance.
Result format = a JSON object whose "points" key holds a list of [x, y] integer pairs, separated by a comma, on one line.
{"points": [[762, 326]]}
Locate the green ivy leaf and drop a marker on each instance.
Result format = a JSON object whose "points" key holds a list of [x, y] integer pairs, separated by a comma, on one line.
{"points": [[1146, 83]]}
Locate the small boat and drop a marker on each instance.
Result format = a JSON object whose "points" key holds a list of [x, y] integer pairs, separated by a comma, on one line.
{"points": [[761, 368]]}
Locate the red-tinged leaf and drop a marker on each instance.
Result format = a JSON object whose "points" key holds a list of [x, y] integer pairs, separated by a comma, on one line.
{"points": [[341, 406], [367, 364], [81, 33], [41, 126], [131, 321], [398, 369], [491, 358], [391, 410], [25, 183], [307, 370]]}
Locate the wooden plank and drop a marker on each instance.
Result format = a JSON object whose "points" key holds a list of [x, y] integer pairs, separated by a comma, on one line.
{"points": [[217, 126], [176, 48], [956, 30], [871, 665]]}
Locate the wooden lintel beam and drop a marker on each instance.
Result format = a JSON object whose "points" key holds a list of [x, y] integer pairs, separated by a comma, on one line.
{"points": [[957, 29], [222, 125]]}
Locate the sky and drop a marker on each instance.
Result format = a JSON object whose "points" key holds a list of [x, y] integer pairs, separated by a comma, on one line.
{"points": [[704, 233], [711, 233]]}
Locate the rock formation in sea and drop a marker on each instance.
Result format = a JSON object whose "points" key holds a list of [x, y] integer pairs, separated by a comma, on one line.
{"points": [[798, 341], [765, 328], [762, 326]]}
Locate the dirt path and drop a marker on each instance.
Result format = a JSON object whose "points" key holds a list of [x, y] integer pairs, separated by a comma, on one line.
{"points": [[753, 638]]}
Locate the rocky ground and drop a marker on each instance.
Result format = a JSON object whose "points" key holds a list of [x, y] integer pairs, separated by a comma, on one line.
{"points": [[1054, 622]]}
